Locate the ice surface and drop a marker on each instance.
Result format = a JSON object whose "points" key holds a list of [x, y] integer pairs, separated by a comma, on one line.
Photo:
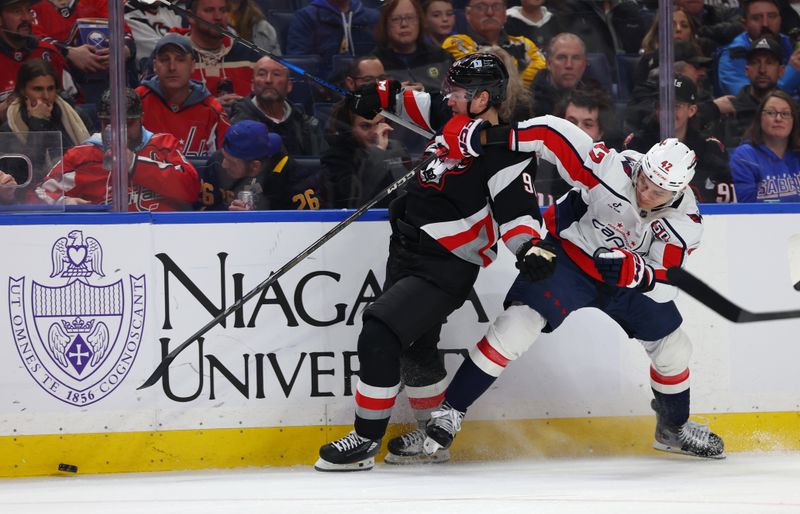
{"points": [[752, 483]]}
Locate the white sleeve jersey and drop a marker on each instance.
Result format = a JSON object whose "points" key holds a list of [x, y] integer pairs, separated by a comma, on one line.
{"points": [[601, 209]]}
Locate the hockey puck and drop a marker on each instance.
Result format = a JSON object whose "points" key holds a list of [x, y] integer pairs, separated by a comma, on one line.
{"points": [[69, 468]]}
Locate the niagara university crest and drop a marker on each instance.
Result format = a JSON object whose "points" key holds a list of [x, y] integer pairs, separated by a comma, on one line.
{"points": [[79, 333]]}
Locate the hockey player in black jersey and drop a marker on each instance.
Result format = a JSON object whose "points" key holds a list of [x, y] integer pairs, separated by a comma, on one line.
{"points": [[444, 229]]}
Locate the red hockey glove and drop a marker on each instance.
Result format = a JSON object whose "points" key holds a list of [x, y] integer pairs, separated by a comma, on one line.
{"points": [[536, 259], [623, 268], [368, 100], [462, 136]]}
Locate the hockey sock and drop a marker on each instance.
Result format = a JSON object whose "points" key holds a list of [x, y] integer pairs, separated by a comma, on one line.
{"points": [[469, 383], [673, 408], [379, 378]]}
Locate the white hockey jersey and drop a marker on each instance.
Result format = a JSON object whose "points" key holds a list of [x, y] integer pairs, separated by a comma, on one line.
{"points": [[601, 210]]}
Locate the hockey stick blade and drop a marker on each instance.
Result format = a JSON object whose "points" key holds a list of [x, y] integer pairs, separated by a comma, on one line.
{"points": [[398, 184], [704, 294]]}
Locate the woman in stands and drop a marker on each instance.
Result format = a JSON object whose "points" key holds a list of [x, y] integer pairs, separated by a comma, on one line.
{"points": [[440, 20], [766, 167], [250, 23], [39, 108], [360, 160], [402, 48], [684, 28]]}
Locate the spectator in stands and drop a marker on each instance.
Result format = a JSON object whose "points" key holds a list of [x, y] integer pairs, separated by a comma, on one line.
{"points": [[712, 179], [253, 160], [440, 19], [364, 69], [690, 62], [604, 27], [766, 168], [684, 31], [268, 104], [224, 66], [761, 17], [591, 111], [402, 48], [763, 70], [329, 27], [149, 22], [360, 159], [532, 20], [39, 108], [716, 25], [17, 46], [486, 19], [89, 63], [250, 24], [177, 105], [159, 177], [566, 70]]}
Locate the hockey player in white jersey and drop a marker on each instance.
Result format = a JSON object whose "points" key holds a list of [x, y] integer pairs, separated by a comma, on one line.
{"points": [[628, 217]]}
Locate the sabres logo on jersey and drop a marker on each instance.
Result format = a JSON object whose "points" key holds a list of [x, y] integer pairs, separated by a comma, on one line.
{"points": [[434, 174]]}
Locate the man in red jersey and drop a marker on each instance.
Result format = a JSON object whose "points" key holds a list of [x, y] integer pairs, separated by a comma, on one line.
{"points": [[224, 66], [159, 177], [176, 105], [17, 45]]}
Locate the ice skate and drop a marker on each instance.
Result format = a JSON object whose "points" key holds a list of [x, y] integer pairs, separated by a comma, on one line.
{"points": [[408, 449], [441, 430], [350, 453], [691, 438]]}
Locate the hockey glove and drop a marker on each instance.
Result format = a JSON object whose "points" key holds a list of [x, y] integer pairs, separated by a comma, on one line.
{"points": [[368, 100], [536, 259], [462, 136], [623, 268]]}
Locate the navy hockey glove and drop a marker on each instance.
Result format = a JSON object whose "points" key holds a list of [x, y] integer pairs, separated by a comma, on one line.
{"points": [[624, 268], [536, 259], [462, 136], [368, 100]]}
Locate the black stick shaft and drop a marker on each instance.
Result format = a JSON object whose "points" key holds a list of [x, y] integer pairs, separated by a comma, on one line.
{"points": [[398, 184], [703, 293]]}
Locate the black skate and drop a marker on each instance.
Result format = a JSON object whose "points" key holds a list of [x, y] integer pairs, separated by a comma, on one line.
{"points": [[441, 430], [691, 438], [407, 449], [350, 453]]}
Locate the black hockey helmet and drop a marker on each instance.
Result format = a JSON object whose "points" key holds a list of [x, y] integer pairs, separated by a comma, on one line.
{"points": [[480, 72], [133, 104]]}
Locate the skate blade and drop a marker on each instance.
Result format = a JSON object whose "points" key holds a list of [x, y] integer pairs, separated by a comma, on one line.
{"points": [[439, 457], [674, 449], [362, 465]]}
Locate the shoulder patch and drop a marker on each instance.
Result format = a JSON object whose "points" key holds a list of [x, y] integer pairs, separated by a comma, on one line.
{"points": [[696, 217], [279, 167]]}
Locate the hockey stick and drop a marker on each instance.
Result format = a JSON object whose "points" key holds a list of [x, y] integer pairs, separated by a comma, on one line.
{"points": [[703, 293], [252, 46], [794, 261], [397, 184]]}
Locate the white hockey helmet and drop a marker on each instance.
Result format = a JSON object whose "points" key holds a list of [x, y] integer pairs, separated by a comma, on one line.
{"points": [[669, 164]]}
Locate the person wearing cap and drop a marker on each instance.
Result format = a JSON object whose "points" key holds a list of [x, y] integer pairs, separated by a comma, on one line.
{"points": [[159, 176], [253, 160], [712, 181], [18, 44], [761, 18], [764, 68], [177, 105]]}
